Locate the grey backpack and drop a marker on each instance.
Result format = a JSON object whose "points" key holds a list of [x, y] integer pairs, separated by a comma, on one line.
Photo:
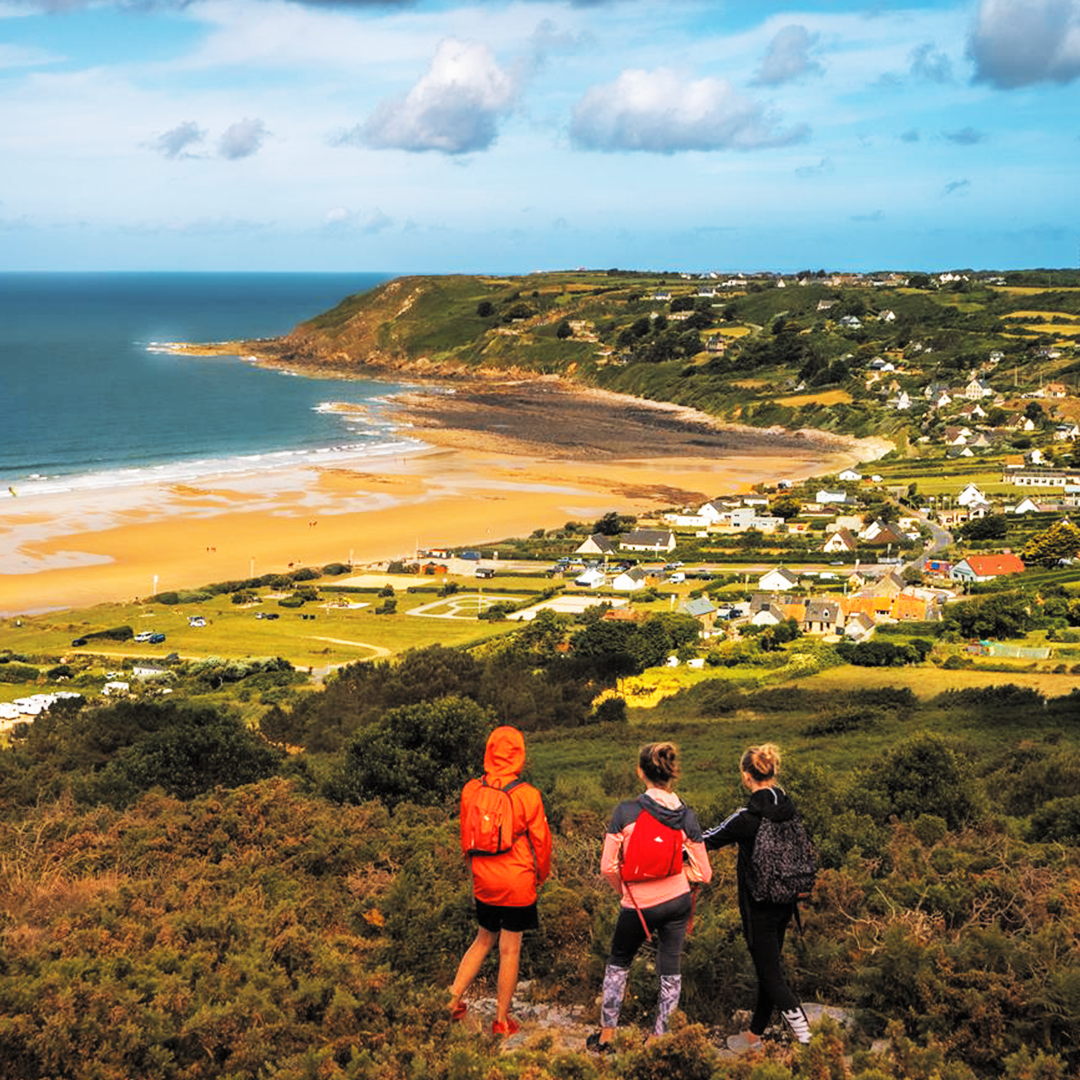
{"points": [[783, 865]]}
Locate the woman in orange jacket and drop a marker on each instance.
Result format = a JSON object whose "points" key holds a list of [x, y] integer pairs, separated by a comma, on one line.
{"points": [[504, 883]]}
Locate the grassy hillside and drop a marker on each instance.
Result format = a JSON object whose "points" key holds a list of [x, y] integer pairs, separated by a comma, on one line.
{"points": [[792, 355]]}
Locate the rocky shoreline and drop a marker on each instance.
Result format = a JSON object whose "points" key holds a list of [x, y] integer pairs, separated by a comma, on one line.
{"points": [[517, 412]]}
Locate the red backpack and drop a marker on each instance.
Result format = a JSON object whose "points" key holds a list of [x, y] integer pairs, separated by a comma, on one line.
{"points": [[487, 819], [654, 850]]}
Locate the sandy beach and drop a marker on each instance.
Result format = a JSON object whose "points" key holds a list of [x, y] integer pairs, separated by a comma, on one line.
{"points": [[499, 461]]}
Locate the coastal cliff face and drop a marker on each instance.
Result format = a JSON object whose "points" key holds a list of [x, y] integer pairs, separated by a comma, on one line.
{"points": [[423, 326]]}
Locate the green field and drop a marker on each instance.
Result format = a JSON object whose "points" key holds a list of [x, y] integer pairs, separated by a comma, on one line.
{"points": [[336, 635]]}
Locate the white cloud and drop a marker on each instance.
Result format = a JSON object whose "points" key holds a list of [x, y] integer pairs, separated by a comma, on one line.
{"points": [[788, 57], [1020, 44], [661, 112], [176, 141], [242, 139], [455, 108]]}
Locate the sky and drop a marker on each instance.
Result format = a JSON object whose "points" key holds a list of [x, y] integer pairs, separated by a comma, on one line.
{"points": [[507, 136]]}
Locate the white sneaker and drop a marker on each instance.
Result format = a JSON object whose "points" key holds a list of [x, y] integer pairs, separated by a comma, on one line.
{"points": [[798, 1024]]}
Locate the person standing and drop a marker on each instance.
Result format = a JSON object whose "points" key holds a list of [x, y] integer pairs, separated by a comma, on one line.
{"points": [[657, 905], [764, 924], [506, 873]]}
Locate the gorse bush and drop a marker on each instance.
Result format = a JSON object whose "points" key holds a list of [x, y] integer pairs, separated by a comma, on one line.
{"points": [[249, 925]]}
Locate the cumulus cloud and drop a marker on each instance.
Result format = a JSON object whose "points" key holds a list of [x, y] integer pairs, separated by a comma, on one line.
{"points": [[455, 108], [965, 136], [242, 139], [953, 186], [788, 57], [176, 141], [660, 112], [931, 64], [1020, 44]]}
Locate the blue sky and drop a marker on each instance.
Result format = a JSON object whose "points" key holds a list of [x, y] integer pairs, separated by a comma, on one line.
{"points": [[497, 136]]}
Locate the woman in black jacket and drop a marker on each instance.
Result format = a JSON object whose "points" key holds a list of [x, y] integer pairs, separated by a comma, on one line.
{"points": [[764, 924]]}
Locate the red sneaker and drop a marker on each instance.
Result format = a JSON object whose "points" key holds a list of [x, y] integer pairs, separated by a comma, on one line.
{"points": [[511, 1027]]}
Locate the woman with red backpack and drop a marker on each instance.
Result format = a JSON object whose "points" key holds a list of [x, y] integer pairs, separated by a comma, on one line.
{"points": [[652, 850], [506, 838]]}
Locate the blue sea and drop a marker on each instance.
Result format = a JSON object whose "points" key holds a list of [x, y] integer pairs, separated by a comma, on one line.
{"points": [[90, 398]]}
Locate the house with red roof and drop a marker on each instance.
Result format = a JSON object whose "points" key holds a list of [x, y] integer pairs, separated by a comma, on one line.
{"points": [[986, 567]]}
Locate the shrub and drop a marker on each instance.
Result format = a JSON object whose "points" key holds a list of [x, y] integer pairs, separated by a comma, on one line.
{"points": [[18, 673], [420, 753], [922, 774], [116, 633]]}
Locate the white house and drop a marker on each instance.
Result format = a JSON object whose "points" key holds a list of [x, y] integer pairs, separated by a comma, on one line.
{"points": [[648, 540], [597, 544], [768, 616], [969, 495], [850, 475], [779, 579], [630, 580], [840, 541], [824, 497]]}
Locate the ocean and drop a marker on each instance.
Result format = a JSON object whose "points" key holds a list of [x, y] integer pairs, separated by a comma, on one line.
{"points": [[90, 399]]}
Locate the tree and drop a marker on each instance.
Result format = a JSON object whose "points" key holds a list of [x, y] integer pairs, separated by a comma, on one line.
{"points": [[613, 523], [564, 330], [485, 309], [922, 775], [1048, 548], [991, 527], [420, 753], [1001, 615], [786, 506], [194, 751]]}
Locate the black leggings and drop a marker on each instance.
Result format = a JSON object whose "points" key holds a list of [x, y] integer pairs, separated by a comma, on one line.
{"points": [[766, 925], [667, 924]]}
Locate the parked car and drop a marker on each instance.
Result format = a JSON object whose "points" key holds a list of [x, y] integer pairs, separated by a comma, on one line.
{"points": [[79, 641], [267, 615], [156, 639], [143, 635]]}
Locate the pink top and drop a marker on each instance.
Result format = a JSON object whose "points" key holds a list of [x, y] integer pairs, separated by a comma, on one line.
{"points": [[659, 890]]}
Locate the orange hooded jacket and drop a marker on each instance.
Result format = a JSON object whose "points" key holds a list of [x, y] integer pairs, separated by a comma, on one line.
{"points": [[511, 879]]}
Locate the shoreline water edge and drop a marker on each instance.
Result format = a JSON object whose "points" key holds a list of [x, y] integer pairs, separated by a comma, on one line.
{"points": [[464, 462]]}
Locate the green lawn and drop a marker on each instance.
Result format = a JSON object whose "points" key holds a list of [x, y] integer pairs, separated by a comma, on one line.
{"points": [[335, 635]]}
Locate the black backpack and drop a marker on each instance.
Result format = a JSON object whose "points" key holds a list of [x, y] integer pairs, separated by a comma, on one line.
{"points": [[783, 865]]}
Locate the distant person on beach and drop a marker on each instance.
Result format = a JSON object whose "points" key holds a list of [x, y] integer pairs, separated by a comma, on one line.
{"points": [[652, 877], [506, 838], [764, 923]]}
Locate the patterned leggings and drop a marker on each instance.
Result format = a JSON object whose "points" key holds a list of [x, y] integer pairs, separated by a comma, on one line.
{"points": [[667, 924]]}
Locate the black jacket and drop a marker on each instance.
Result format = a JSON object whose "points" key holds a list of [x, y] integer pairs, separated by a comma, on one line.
{"points": [[741, 828]]}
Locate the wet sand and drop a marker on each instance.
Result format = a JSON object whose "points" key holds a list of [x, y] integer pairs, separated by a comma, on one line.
{"points": [[501, 461]]}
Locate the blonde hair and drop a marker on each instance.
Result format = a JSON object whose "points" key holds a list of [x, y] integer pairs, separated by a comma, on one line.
{"points": [[659, 762], [761, 762]]}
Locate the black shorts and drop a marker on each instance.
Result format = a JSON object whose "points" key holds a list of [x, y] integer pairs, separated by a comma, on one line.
{"points": [[493, 917]]}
